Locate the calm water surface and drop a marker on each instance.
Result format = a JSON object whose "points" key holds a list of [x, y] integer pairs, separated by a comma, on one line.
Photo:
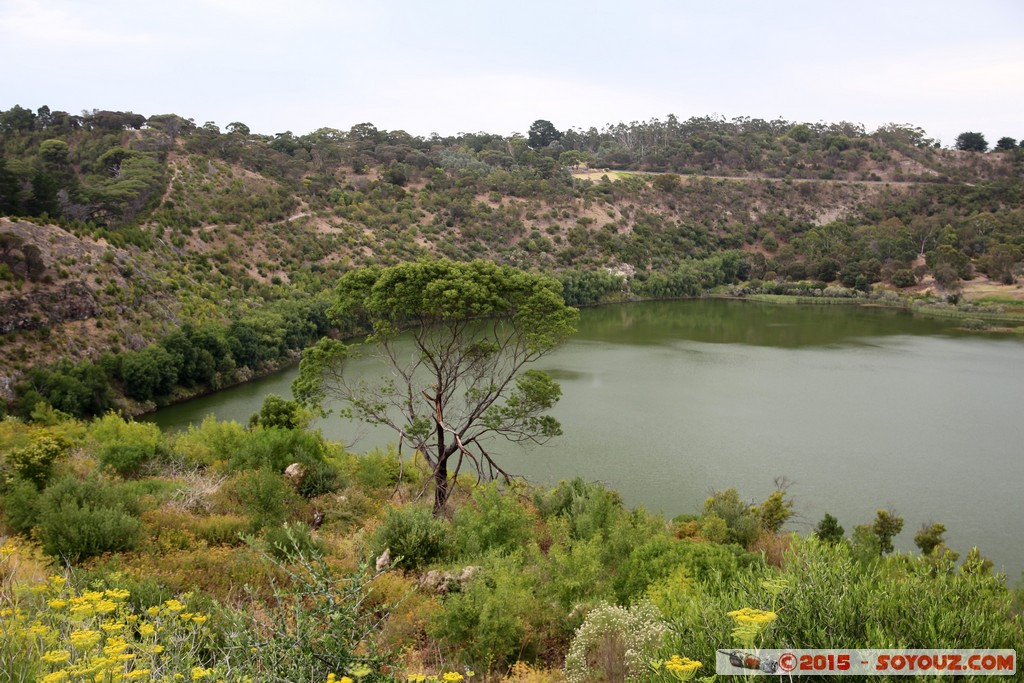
{"points": [[860, 408]]}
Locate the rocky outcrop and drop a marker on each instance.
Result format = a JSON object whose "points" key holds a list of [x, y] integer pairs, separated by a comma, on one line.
{"points": [[47, 307]]}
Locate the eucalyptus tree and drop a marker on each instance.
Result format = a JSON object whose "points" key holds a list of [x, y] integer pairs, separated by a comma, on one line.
{"points": [[473, 328]]}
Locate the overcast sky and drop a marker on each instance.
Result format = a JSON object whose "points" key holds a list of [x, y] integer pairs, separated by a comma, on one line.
{"points": [[450, 66]]}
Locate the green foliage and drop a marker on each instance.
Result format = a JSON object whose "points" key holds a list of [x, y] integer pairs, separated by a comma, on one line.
{"points": [[496, 522], [971, 142], [278, 412], [591, 509], [276, 448], [742, 519], [414, 537], [317, 623], [886, 526], [290, 541], [475, 325], [21, 506], [263, 495], [81, 518], [774, 512], [827, 596], [210, 442], [488, 623], [929, 537], [829, 530], [378, 469], [658, 557], [124, 446], [35, 461]]}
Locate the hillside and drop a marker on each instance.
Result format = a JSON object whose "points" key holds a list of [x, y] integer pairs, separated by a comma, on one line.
{"points": [[121, 227]]}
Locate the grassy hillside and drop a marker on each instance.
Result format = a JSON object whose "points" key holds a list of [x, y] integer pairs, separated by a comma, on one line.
{"points": [[120, 228]]}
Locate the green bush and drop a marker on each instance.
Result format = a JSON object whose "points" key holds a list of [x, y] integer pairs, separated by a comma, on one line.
{"points": [[321, 478], [81, 518], [125, 459], [222, 529], [210, 442], [415, 538], [264, 496], [275, 448], [21, 506], [591, 509], [488, 623], [34, 462], [289, 541], [497, 522], [377, 469]]}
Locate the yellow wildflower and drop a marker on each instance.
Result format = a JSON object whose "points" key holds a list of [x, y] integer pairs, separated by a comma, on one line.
{"points": [[115, 646], [146, 630], [8, 549], [153, 611], [345, 679], [417, 678], [112, 626], [56, 656], [155, 649], [683, 668], [331, 678], [55, 677], [85, 639], [57, 604], [199, 672], [105, 606], [57, 581], [117, 593], [200, 618], [753, 616], [137, 674], [174, 605], [39, 630], [452, 677], [82, 609], [92, 596]]}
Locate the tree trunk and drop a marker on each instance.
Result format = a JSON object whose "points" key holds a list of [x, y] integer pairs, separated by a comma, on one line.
{"points": [[441, 471]]}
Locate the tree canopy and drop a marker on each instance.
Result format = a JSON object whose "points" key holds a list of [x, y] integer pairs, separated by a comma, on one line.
{"points": [[473, 328], [971, 142]]}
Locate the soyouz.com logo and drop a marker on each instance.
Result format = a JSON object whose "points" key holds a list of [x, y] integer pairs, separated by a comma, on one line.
{"points": [[867, 662]]}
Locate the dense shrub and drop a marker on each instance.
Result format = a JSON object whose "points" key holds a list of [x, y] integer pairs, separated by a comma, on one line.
{"points": [[80, 518], [414, 536], [264, 496], [497, 521], [488, 623], [275, 448], [289, 541]]}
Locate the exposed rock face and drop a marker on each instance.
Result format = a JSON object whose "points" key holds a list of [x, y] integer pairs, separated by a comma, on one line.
{"points": [[47, 307]]}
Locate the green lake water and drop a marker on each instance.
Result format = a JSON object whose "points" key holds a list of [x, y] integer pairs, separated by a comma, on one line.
{"points": [[860, 408]]}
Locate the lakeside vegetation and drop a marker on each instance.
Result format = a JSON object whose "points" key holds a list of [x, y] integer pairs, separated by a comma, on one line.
{"points": [[204, 551], [146, 259]]}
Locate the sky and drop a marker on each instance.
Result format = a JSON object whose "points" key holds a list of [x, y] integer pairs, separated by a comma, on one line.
{"points": [[451, 66]]}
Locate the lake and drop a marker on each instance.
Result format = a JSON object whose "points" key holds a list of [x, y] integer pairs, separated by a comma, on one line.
{"points": [[860, 408]]}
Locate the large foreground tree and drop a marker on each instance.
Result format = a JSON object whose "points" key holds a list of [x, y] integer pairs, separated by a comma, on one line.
{"points": [[456, 338]]}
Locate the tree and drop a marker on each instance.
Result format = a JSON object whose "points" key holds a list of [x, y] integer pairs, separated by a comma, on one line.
{"points": [[542, 133], [886, 526], [971, 142], [1005, 144], [474, 326], [929, 537], [829, 530]]}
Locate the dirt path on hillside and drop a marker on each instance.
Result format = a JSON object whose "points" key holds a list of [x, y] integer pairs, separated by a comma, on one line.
{"points": [[595, 175]]}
